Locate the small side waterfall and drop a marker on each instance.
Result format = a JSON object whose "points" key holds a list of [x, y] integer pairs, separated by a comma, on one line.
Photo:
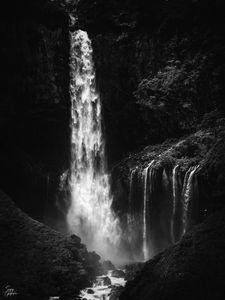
{"points": [[90, 214], [130, 212], [187, 195], [175, 196], [169, 199], [146, 208]]}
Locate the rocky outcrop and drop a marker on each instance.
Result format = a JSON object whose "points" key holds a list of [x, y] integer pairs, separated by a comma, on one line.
{"points": [[108, 265], [167, 188], [194, 268], [39, 262]]}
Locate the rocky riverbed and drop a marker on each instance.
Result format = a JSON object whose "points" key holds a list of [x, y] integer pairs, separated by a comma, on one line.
{"points": [[105, 287]]}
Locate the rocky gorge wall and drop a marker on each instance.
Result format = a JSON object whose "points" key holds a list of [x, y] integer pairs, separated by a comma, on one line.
{"points": [[163, 190], [35, 104], [193, 268]]}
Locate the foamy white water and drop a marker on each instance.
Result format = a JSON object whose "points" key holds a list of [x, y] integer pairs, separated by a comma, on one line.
{"points": [[188, 190], [101, 291], [90, 215], [174, 182], [145, 209], [130, 212]]}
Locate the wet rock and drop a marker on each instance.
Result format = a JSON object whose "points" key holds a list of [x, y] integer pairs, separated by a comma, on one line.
{"points": [[108, 265], [106, 280], [94, 265], [75, 239], [118, 274]]}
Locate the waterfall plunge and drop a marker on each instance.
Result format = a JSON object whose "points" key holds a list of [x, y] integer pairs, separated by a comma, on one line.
{"points": [[162, 206], [174, 189], [90, 215], [187, 195], [146, 208], [130, 212]]}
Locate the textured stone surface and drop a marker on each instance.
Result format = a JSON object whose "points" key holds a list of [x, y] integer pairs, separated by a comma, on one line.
{"points": [[194, 268], [38, 261]]}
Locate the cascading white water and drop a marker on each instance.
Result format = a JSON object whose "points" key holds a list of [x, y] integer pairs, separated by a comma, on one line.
{"points": [[100, 290], [130, 216], [187, 194], [174, 182], [90, 214], [145, 210]]}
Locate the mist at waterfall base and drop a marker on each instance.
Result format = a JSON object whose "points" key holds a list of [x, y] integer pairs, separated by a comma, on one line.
{"points": [[161, 202]]}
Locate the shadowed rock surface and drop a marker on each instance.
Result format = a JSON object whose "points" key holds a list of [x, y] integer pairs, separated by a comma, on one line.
{"points": [[205, 148], [38, 261], [194, 268]]}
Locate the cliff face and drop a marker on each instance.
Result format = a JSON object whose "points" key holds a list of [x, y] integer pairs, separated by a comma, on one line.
{"points": [[193, 268], [35, 105], [172, 185]]}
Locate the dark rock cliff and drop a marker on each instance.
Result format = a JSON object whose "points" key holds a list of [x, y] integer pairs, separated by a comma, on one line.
{"points": [[191, 269], [39, 262], [203, 150], [34, 104]]}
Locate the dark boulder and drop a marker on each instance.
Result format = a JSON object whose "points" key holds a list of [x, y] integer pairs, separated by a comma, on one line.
{"points": [[106, 280], [75, 239], [118, 274], [108, 265]]}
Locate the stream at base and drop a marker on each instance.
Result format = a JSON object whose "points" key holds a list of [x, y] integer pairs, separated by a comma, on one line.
{"points": [[105, 287]]}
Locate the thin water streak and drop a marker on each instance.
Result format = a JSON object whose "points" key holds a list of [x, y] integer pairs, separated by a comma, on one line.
{"points": [[174, 182], [187, 194], [145, 210]]}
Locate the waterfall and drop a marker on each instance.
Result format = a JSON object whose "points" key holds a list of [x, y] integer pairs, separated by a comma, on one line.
{"points": [[90, 214], [145, 209], [187, 195], [161, 203], [130, 212], [175, 187]]}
